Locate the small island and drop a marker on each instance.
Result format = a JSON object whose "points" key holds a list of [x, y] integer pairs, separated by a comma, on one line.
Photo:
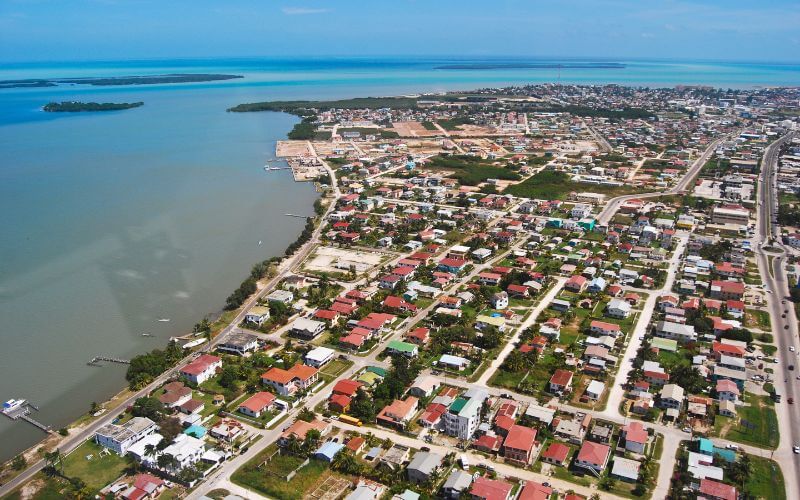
{"points": [[119, 80], [76, 106]]}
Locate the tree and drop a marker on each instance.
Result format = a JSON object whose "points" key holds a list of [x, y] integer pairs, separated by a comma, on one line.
{"points": [[19, 462], [148, 407], [346, 463], [167, 461], [94, 407], [150, 450], [514, 362], [363, 407], [170, 427], [229, 376], [306, 415], [311, 441], [607, 483], [54, 462]]}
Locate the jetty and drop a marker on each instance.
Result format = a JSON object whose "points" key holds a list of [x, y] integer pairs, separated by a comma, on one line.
{"points": [[96, 359], [268, 169], [20, 409], [295, 215]]}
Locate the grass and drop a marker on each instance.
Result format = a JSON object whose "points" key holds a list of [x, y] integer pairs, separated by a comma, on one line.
{"points": [[336, 367], [97, 472], [766, 479], [471, 170], [551, 185], [252, 477], [761, 415]]}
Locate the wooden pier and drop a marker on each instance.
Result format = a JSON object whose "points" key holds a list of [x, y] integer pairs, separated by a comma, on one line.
{"points": [[24, 413], [96, 359], [298, 216]]}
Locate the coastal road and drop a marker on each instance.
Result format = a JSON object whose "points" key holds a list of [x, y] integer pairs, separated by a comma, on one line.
{"points": [[71, 442], [613, 204], [783, 320]]}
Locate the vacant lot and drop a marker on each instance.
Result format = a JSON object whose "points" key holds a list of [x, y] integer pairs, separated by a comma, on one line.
{"points": [[757, 424], [550, 184], [338, 260]]}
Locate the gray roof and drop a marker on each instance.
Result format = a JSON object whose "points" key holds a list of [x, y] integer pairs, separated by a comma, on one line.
{"points": [[425, 462], [624, 467], [458, 480]]}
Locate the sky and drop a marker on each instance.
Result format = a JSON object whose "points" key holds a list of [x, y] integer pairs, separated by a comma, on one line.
{"points": [[734, 30]]}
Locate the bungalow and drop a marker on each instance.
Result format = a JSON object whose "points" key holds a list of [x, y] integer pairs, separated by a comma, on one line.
{"points": [[257, 315], [404, 348], [307, 328], [625, 469], [299, 430], [717, 491], [395, 303], [483, 322], [423, 466], [319, 356], [576, 284], [656, 377], [144, 486], [603, 328], [326, 315], [489, 279], [257, 404], [484, 488], [419, 336], [201, 369], [556, 454], [618, 308], [597, 285], [672, 396], [399, 412], [452, 265], [727, 290], [675, 331], [520, 291], [560, 305], [635, 437]]}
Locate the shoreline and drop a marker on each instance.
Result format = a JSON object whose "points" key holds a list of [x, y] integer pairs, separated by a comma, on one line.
{"points": [[215, 318]]}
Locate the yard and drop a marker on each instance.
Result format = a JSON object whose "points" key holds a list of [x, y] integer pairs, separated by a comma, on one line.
{"points": [[252, 477], [97, 471], [766, 479], [757, 424]]}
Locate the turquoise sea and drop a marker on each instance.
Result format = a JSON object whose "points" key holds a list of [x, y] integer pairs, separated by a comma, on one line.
{"points": [[111, 221]]}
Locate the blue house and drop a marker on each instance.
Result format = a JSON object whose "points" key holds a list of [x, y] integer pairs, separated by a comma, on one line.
{"points": [[328, 450]]}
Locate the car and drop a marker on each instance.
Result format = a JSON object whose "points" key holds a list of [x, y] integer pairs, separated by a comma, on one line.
{"points": [[791, 401], [783, 315], [425, 448], [796, 449], [546, 484], [785, 327], [687, 429], [732, 447], [641, 337], [791, 368], [791, 348]]}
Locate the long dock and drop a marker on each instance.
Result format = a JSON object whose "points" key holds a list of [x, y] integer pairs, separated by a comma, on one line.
{"points": [[109, 359], [24, 413]]}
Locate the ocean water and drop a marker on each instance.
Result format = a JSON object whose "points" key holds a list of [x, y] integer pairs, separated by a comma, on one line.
{"points": [[111, 221]]}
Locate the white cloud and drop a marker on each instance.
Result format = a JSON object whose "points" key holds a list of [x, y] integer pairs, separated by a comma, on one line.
{"points": [[302, 11]]}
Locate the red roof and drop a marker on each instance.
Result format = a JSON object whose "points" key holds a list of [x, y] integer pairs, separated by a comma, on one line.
{"points": [[450, 262], [609, 327], [258, 401], [729, 286], [635, 432], [326, 314], [725, 385], [561, 377], [504, 422], [353, 339], [200, 364], [520, 438], [487, 442], [717, 489], [556, 452], [346, 387], [723, 348], [490, 489], [594, 453], [340, 400], [535, 491]]}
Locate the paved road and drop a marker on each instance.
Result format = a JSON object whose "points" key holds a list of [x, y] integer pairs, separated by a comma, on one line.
{"points": [[785, 329], [613, 205]]}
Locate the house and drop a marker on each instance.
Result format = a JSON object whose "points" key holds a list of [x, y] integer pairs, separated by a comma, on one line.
{"points": [[239, 343], [258, 315], [560, 305], [307, 328], [597, 285], [675, 331], [367, 490], [319, 356], [593, 456], [519, 291], [595, 390], [717, 491], [618, 308], [625, 469], [561, 381], [727, 290], [424, 386], [227, 429], [175, 394], [535, 491], [482, 322], [484, 488], [328, 451], [287, 382], [727, 408], [398, 412], [398, 304], [119, 438], [727, 390], [257, 404], [672, 396], [489, 279], [144, 486], [551, 329], [457, 482], [499, 300], [419, 336], [286, 297], [519, 444], [576, 284], [299, 429], [191, 407], [201, 369], [453, 362], [555, 454], [423, 466], [604, 328], [404, 348], [635, 437]]}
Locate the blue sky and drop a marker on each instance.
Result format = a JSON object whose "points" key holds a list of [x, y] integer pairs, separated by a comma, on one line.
{"points": [[132, 29]]}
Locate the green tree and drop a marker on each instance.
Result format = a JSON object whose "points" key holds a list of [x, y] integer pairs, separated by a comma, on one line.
{"points": [[19, 462], [148, 407], [170, 427]]}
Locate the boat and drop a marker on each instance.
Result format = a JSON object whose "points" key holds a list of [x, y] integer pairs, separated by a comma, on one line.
{"points": [[13, 404], [163, 320], [148, 334]]}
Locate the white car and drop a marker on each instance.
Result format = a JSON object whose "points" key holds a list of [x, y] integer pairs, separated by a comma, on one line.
{"points": [[796, 449], [791, 348]]}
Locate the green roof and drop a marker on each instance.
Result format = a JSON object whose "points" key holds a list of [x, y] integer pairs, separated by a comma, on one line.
{"points": [[400, 346], [377, 370], [457, 405], [664, 344], [369, 378]]}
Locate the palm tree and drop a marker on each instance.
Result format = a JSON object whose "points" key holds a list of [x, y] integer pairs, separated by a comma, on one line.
{"points": [[150, 450]]}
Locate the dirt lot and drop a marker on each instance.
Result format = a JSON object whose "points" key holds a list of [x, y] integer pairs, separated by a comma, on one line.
{"points": [[413, 129], [337, 260], [293, 148]]}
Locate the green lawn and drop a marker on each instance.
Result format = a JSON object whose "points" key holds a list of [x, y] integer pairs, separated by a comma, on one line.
{"points": [[766, 479], [98, 471], [763, 421], [551, 185], [336, 367]]}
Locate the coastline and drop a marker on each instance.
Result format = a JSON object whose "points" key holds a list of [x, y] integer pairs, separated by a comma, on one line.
{"points": [[219, 320]]}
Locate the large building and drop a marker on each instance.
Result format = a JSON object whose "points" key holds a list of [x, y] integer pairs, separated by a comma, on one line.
{"points": [[464, 414], [119, 438], [730, 215]]}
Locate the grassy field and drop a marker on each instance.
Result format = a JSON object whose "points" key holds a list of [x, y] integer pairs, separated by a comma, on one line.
{"points": [[761, 416], [549, 184], [97, 471], [251, 477], [766, 479], [471, 170]]}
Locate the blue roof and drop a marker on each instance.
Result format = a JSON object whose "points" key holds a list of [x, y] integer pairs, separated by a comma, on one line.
{"points": [[329, 450], [197, 431], [727, 455], [705, 446]]}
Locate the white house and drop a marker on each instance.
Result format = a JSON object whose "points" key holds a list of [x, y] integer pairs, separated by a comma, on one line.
{"points": [[120, 438], [618, 308], [202, 368], [319, 356], [258, 315]]}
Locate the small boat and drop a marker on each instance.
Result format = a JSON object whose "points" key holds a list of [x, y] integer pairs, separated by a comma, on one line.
{"points": [[13, 404], [148, 334], [259, 242], [163, 320]]}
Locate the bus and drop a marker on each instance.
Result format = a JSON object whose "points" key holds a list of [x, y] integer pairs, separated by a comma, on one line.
{"points": [[350, 420]]}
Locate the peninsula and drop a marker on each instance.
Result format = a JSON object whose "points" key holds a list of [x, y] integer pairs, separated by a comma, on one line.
{"points": [[77, 106], [118, 80]]}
